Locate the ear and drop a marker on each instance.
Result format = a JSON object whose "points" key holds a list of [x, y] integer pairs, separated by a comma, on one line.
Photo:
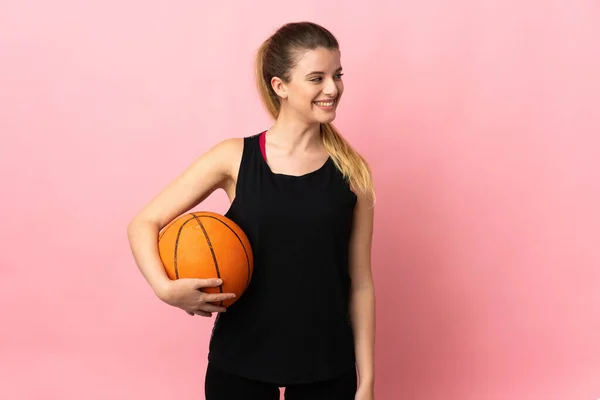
{"points": [[279, 87]]}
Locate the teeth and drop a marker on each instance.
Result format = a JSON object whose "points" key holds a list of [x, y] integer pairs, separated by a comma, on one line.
{"points": [[324, 103]]}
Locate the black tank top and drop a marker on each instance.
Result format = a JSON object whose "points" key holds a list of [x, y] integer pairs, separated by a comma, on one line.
{"points": [[292, 324]]}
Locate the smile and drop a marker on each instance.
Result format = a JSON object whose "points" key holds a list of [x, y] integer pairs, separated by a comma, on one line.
{"points": [[328, 103]]}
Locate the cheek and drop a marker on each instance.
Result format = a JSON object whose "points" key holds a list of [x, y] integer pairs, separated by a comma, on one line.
{"points": [[304, 97]]}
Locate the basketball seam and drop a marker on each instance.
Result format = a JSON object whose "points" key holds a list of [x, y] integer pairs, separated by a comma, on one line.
{"points": [[170, 225], [212, 252], [177, 245], [240, 240]]}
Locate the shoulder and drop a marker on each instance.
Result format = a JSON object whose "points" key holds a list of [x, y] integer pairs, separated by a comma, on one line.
{"points": [[228, 154], [230, 147], [234, 146]]}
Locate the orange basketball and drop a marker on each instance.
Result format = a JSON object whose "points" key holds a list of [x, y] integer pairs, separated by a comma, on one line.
{"points": [[207, 245]]}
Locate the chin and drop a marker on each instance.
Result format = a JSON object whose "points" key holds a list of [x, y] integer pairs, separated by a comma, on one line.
{"points": [[325, 119]]}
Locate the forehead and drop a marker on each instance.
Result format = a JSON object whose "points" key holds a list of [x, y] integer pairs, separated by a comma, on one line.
{"points": [[319, 59]]}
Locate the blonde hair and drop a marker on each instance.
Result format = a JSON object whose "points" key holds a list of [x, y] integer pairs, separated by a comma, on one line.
{"points": [[276, 57]]}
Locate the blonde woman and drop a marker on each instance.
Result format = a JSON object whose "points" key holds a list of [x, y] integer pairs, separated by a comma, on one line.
{"points": [[305, 199]]}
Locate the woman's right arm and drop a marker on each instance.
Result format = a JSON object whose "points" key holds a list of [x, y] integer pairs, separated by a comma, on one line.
{"points": [[217, 168]]}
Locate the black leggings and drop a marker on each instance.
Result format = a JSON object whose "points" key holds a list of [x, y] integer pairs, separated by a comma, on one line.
{"points": [[220, 385]]}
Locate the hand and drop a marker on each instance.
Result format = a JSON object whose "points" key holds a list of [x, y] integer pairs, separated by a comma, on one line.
{"points": [[365, 392], [185, 293]]}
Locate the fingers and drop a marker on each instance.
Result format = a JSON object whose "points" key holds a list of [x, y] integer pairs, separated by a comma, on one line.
{"points": [[202, 283], [211, 308], [217, 297], [200, 313], [203, 313]]}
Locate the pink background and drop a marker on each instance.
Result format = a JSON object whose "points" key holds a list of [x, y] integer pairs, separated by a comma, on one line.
{"points": [[481, 121]]}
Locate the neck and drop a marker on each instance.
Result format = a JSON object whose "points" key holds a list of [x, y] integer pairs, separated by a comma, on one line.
{"points": [[293, 134]]}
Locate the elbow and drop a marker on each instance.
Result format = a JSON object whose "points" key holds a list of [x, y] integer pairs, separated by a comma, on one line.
{"points": [[134, 226], [131, 228], [144, 222]]}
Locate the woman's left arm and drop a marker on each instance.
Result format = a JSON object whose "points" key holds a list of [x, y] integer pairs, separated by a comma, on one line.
{"points": [[362, 297]]}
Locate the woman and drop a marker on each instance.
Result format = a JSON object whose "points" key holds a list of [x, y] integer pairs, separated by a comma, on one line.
{"points": [[305, 199]]}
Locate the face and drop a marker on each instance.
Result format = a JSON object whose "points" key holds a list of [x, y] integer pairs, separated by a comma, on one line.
{"points": [[315, 88]]}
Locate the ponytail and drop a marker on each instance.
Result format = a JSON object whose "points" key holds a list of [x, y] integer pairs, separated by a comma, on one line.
{"points": [[354, 168], [265, 90]]}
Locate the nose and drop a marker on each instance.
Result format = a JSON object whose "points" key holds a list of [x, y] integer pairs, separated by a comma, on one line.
{"points": [[330, 88]]}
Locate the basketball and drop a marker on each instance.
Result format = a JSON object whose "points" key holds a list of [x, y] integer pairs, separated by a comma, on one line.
{"points": [[207, 245]]}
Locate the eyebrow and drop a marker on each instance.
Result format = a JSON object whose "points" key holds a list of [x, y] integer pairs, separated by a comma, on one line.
{"points": [[321, 72]]}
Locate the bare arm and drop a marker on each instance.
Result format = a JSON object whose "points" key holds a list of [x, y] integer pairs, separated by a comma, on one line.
{"points": [[362, 302], [217, 168]]}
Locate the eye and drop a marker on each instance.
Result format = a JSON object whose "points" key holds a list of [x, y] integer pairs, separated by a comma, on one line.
{"points": [[319, 79]]}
